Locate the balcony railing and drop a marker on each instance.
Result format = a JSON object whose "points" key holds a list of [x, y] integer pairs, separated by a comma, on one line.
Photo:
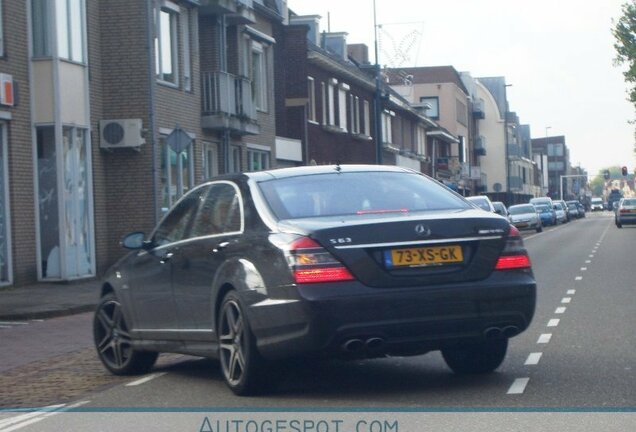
{"points": [[227, 103]]}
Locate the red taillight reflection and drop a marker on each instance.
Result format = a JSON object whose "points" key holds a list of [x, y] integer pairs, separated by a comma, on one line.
{"points": [[515, 255], [513, 262], [311, 263]]}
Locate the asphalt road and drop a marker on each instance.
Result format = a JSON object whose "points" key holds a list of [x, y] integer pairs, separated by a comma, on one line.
{"points": [[573, 369]]}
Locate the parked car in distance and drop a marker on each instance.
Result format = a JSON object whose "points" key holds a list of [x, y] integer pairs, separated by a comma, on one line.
{"points": [[483, 202], [614, 196], [525, 216], [577, 209], [581, 209], [500, 208], [596, 204], [542, 200], [565, 207], [346, 261], [547, 214], [626, 212], [561, 214]]}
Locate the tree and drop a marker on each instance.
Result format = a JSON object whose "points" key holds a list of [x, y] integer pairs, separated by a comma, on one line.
{"points": [[624, 32]]}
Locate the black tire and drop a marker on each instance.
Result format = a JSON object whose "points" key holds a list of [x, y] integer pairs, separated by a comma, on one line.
{"points": [[476, 358], [241, 363], [619, 225], [539, 228], [113, 342]]}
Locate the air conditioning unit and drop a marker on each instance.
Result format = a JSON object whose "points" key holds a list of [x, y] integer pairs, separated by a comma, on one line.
{"points": [[122, 133]]}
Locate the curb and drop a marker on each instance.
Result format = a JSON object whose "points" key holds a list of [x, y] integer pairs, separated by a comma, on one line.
{"points": [[45, 314]]}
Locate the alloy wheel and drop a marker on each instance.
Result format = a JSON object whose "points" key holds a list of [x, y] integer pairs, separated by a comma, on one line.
{"points": [[111, 335], [232, 342]]}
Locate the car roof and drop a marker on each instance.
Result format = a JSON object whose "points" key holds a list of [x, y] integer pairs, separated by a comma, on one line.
{"points": [[323, 169]]}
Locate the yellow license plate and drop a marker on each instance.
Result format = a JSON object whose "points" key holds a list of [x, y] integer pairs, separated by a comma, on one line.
{"points": [[424, 256]]}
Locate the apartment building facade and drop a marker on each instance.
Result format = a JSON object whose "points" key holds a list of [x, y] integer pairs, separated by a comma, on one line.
{"points": [[110, 111], [554, 148]]}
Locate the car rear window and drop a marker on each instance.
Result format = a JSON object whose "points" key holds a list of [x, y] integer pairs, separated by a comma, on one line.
{"points": [[629, 202], [515, 210], [356, 193]]}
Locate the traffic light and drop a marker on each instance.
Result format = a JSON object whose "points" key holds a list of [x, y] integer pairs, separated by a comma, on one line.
{"points": [[624, 170], [606, 175]]}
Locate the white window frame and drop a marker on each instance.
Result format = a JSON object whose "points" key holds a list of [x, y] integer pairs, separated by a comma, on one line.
{"points": [[67, 13], [331, 105], [421, 140], [311, 102], [234, 159], [259, 77], [342, 107], [210, 160], [263, 153], [387, 127], [323, 95], [174, 13], [367, 118], [181, 188], [186, 37]]}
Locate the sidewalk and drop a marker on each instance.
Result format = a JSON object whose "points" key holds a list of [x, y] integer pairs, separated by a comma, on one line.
{"points": [[47, 300]]}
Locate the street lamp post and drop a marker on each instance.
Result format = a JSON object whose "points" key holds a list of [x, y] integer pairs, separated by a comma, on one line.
{"points": [[377, 111]]}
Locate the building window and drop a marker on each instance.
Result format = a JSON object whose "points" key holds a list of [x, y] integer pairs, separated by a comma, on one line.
{"points": [[555, 149], [259, 75], [64, 215], [433, 111], [323, 99], [187, 60], [210, 161], [311, 95], [235, 160], [331, 104], [166, 43], [421, 141], [342, 106], [70, 29], [556, 166], [6, 274], [367, 119], [257, 160], [387, 129], [69, 22], [354, 106], [462, 112], [177, 173]]}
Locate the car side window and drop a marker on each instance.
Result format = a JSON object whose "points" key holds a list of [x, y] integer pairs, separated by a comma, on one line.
{"points": [[219, 213], [178, 222]]}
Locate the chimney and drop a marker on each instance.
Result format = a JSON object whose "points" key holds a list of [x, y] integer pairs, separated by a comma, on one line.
{"points": [[313, 21], [336, 43], [359, 53]]}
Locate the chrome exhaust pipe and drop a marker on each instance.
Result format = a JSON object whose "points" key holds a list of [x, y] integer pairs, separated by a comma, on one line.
{"points": [[353, 345], [510, 331], [374, 343], [492, 333]]}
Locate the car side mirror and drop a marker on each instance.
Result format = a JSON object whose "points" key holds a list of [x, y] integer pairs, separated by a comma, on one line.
{"points": [[134, 241]]}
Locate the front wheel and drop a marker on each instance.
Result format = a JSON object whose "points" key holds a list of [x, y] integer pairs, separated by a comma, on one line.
{"points": [[113, 342], [539, 228], [241, 363], [476, 358]]}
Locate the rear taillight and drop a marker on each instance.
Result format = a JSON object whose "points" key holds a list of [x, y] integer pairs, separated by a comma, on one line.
{"points": [[311, 263], [514, 255]]}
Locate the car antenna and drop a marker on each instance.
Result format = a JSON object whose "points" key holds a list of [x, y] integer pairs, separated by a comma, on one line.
{"points": [[338, 167]]}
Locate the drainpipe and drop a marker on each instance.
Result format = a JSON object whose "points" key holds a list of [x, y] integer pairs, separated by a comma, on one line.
{"points": [[151, 105]]}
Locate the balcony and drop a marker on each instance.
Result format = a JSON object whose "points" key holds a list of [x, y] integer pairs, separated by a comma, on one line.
{"points": [[228, 104], [480, 146], [514, 151], [478, 110], [237, 11]]}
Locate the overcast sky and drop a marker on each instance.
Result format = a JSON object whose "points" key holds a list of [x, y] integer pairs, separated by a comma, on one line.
{"points": [[557, 54]]}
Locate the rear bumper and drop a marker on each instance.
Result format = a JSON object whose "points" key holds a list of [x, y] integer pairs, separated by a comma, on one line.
{"points": [[323, 317]]}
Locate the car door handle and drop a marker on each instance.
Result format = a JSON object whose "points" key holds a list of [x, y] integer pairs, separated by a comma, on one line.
{"points": [[166, 257], [220, 246]]}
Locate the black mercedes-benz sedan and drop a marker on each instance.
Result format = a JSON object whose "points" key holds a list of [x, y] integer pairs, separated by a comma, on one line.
{"points": [[348, 261]]}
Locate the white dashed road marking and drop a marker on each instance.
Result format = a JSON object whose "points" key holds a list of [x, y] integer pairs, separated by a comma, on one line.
{"points": [[553, 322], [533, 359], [544, 338], [566, 299], [578, 278], [571, 292], [145, 379], [559, 310], [583, 268], [518, 386]]}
